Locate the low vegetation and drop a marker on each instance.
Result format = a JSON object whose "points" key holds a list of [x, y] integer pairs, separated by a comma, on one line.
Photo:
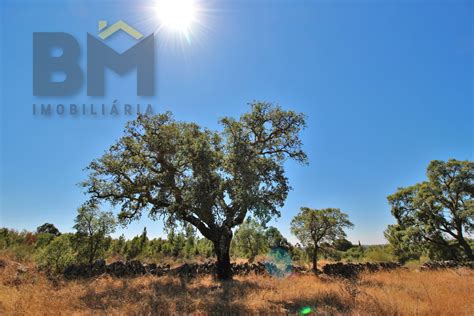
{"points": [[399, 292], [53, 253]]}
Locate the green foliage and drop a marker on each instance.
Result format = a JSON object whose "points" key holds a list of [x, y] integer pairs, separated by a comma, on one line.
{"points": [[405, 243], [48, 228], [20, 245], [93, 228], [436, 215], [275, 239], [249, 240], [313, 227], [379, 254], [57, 255], [136, 246], [354, 254], [182, 244], [9, 238], [330, 253], [190, 241], [342, 244], [43, 240], [175, 244], [204, 248], [117, 246], [298, 254]]}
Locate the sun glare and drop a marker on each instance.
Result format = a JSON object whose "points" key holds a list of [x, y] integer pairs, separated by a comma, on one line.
{"points": [[177, 15]]}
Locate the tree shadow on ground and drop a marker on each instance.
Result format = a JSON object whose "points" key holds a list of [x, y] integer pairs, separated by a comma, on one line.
{"points": [[171, 296], [225, 297]]}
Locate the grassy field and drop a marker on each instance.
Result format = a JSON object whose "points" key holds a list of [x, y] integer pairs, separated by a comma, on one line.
{"points": [[400, 292]]}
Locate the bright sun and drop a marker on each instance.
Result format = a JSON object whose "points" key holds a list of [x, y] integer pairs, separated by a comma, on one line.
{"points": [[177, 15]]}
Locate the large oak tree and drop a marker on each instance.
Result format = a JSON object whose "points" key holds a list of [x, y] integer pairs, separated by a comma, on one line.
{"points": [[211, 179], [439, 212]]}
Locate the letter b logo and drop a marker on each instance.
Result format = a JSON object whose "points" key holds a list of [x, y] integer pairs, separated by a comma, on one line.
{"points": [[45, 65], [99, 57]]}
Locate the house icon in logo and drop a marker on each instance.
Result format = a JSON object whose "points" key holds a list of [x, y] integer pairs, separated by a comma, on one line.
{"points": [[105, 31]]}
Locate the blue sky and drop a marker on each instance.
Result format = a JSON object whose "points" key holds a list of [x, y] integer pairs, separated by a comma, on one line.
{"points": [[387, 86]]}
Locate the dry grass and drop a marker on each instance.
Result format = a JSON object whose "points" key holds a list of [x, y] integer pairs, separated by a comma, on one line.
{"points": [[402, 292]]}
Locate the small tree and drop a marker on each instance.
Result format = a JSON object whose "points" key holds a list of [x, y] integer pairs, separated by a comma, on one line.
{"points": [[48, 228], [438, 213], [313, 227], [210, 179], [93, 229], [249, 240]]}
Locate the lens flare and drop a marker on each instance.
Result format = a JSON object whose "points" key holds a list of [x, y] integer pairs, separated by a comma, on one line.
{"points": [[305, 310], [279, 263], [177, 15]]}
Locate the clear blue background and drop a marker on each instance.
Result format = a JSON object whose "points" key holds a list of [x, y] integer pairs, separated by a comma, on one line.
{"points": [[387, 87]]}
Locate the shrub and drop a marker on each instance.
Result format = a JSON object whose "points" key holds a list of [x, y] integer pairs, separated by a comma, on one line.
{"points": [[354, 254], [17, 245], [379, 254], [43, 240], [56, 255]]}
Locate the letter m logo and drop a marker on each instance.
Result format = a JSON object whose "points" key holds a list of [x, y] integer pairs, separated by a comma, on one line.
{"points": [[100, 56]]}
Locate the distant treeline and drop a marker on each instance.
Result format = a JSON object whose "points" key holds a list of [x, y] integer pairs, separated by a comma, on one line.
{"points": [[53, 250]]}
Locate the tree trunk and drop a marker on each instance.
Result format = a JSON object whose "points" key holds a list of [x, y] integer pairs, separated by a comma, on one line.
{"points": [[222, 250], [91, 251], [315, 259], [467, 248]]}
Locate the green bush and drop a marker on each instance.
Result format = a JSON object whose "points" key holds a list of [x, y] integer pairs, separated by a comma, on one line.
{"points": [[18, 245], [43, 240], [57, 255], [332, 254], [354, 254], [379, 254]]}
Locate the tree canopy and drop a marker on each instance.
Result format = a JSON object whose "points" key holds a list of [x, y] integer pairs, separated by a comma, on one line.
{"points": [[438, 213], [48, 228], [211, 179], [313, 227]]}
